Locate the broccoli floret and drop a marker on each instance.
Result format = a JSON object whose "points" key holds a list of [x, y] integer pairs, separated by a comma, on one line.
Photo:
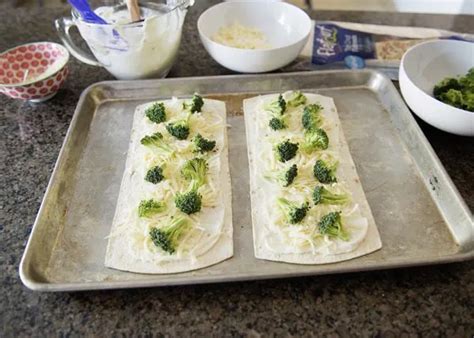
{"points": [[312, 118], [294, 213], [277, 107], [331, 225], [277, 123], [321, 195], [444, 86], [189, 201], [469, 101], [457, 92], [324, 171], [452, 97], [156, 140], [286, 150], [148, 208], [195, 106], [156, 112], [458, 98], [315, 139], [202, 145], [195, 170], [296, 99], [468, 80], [155, 175], [284, 177], [179, 129], [167, 237]]}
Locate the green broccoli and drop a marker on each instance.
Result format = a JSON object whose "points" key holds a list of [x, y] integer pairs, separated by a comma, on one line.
{"points": [[286, 150], [452, 97], [294, 213], [156, 140], [321, 195], [277, 123], [467, 81], [155, 175], [296, 99], [312, 118], [331, 225], [167, 237], [156, 112], [195, 106], [324, 171], [277, 107], [315, 139], [202, 145], [459, 99], [195, 170], [189, 201], [284, 177], [179, 129], [148, 208], [457, 92], [445, 85], [469, 101]]}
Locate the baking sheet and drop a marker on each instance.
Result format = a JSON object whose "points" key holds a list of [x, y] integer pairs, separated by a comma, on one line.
{"points": [[418, 211]]}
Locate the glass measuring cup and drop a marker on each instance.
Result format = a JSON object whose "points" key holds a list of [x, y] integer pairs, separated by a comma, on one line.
{"points": [[139, 50]]}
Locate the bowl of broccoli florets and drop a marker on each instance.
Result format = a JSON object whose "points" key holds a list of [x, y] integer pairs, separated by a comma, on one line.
{"points": [[437, 82]]}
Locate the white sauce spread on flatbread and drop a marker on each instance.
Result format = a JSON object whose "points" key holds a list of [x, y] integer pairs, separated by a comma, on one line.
{"points": [[274, 237], [130, 245]]}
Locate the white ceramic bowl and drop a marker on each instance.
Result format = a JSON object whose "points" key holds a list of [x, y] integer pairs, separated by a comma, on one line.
{"points": [[422, 67], [286, 26]]}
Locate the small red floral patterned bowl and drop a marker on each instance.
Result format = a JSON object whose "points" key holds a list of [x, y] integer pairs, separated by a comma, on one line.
{"points": [[34, 71]]}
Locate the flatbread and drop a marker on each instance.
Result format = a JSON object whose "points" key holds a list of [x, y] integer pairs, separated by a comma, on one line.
{"points": [[262, 199], [126, 225]]}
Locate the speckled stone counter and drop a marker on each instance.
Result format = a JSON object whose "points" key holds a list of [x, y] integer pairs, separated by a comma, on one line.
{"points": [[427, 301]]}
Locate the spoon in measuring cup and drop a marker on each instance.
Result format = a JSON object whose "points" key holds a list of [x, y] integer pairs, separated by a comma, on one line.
{"points": [[134, 10], [87, 14]]}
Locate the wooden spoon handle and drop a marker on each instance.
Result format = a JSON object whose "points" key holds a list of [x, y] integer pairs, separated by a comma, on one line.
{"points": [[134, 10]]}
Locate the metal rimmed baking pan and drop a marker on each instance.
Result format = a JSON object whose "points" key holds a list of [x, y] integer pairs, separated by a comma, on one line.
{"points": [[420, 215]]}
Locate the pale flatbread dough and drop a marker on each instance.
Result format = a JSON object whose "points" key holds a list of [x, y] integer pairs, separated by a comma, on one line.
{"points": [[217, 247], [262, 198]]}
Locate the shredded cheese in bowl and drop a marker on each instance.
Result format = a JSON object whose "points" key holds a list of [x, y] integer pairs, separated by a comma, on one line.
{"points": [[239, 36]]}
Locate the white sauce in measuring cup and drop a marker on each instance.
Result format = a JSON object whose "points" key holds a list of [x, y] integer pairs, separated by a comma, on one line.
{"points": [[136, 51]]}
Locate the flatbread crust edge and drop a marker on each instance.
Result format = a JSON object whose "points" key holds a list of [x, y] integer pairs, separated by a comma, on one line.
{"points": [[371, 241], [222, 249]]}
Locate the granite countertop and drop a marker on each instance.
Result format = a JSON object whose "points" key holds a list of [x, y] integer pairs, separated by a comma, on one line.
{"points": [[434, 301]]}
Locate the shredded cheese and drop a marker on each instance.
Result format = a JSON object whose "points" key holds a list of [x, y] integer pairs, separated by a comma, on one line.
{"points": [[243, 37]]}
